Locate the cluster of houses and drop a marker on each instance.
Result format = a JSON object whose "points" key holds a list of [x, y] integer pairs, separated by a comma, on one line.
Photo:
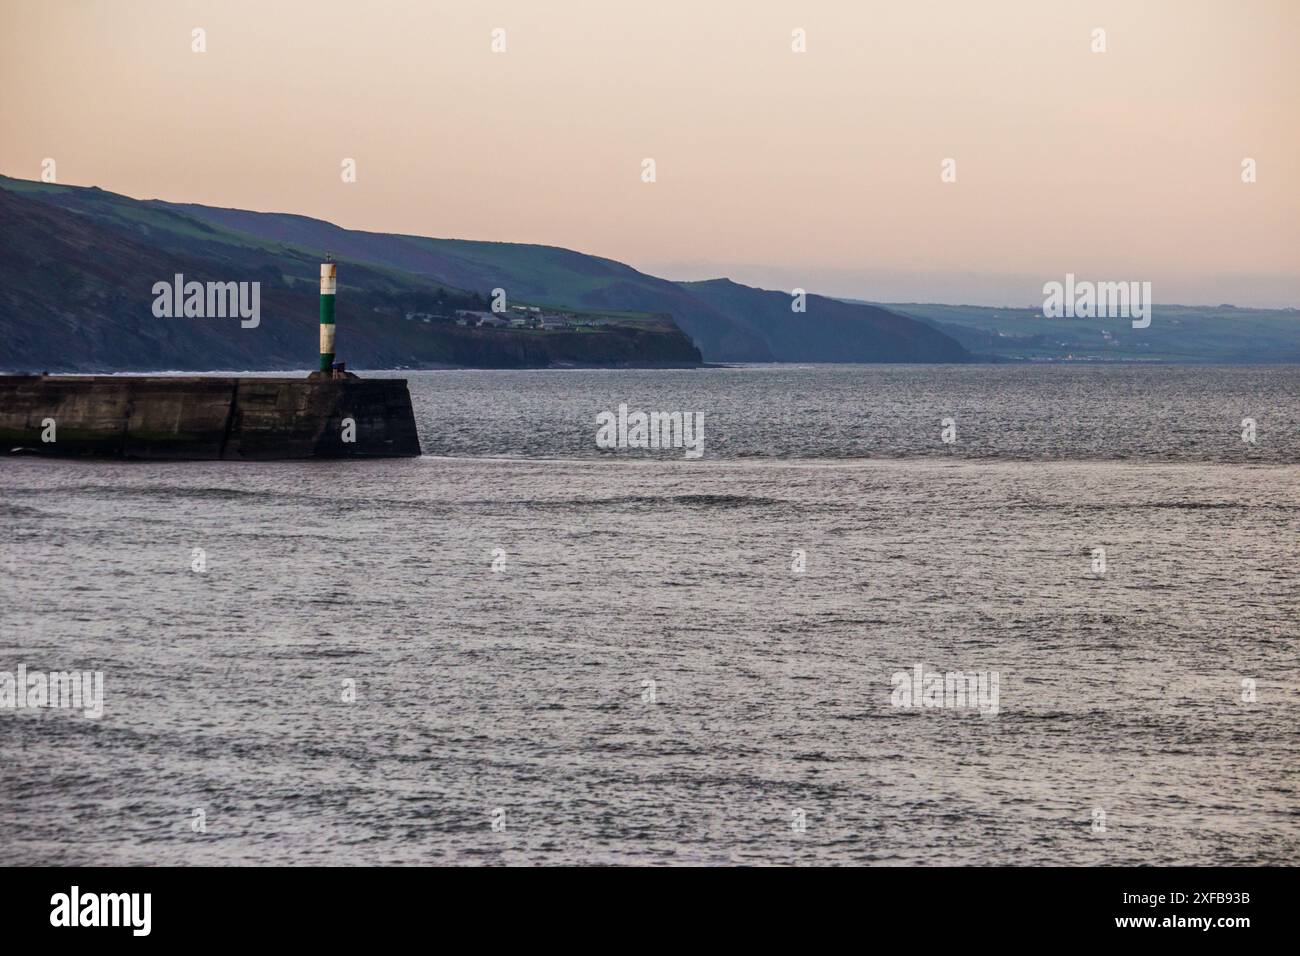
{"points": [[519, 317], [523, 317]]}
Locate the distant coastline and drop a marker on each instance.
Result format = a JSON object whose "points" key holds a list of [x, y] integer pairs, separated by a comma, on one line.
{"points": [[80, 264]]}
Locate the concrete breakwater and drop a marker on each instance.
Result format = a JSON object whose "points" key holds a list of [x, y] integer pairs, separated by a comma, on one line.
{"points": [[199, 417]]}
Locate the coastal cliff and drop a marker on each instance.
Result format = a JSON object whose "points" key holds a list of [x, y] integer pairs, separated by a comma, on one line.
{"points": [[83, 261], [76, 295]]}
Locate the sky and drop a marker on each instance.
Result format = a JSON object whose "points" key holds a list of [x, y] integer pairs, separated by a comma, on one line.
{"points": [[819, 169]]}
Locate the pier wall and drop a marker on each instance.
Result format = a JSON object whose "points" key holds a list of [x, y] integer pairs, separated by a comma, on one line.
{"points": [[199, 417]]}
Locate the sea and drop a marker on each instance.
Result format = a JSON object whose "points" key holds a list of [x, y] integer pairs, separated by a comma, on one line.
{"points": [[890, 615]]}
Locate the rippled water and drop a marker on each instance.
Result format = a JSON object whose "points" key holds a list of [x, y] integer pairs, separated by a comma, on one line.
{"points": [[522, 692], [1148, 413]]}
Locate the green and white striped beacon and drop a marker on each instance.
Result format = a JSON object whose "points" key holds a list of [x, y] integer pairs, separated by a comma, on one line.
{"points": [[328, 286]]}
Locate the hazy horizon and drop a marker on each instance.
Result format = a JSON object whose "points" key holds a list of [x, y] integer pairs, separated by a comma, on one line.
{"points": [[779, 169]]}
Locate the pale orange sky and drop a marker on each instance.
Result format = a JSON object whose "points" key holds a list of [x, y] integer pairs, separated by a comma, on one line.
{"points": [[818, 169]]}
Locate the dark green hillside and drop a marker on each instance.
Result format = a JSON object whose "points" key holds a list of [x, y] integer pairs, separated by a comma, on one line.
{"points": [[398, 274], [732, 327], [76, 295]]}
